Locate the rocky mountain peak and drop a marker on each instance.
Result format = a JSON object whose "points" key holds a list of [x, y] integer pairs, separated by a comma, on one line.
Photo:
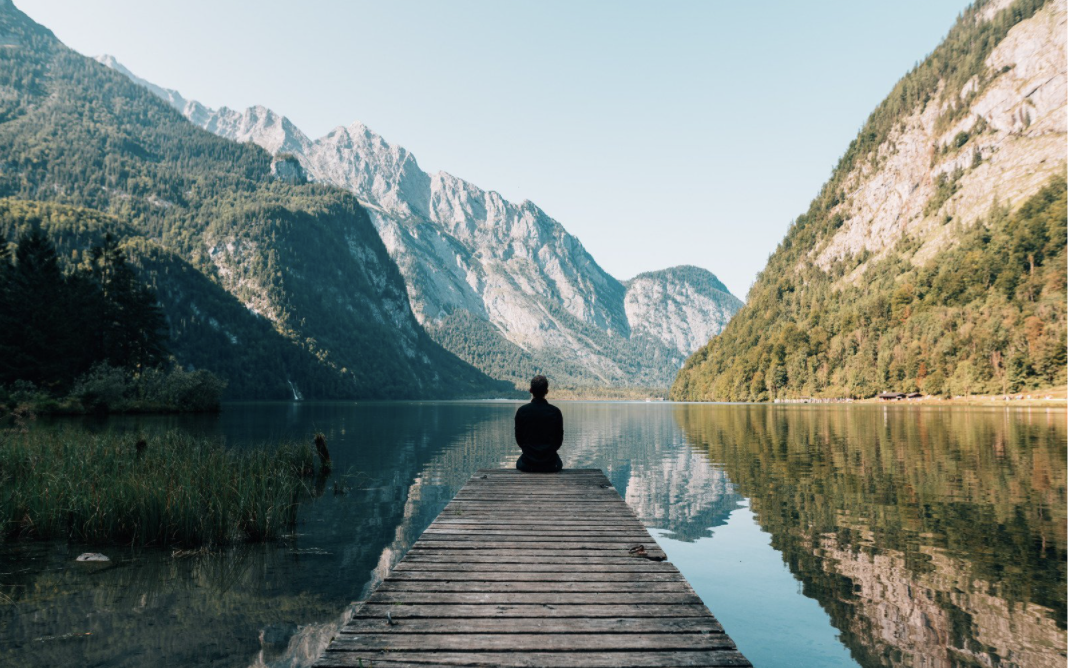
{"points": [[382, 174], [529, 288], [673, 304]]}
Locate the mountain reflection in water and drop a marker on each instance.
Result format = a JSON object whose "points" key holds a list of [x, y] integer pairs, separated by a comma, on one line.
{"points": [[931, 538]]}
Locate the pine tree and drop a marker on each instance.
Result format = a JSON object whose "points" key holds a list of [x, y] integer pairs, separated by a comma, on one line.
{"points": [[6, 321], [133, 326], [33, 335]]}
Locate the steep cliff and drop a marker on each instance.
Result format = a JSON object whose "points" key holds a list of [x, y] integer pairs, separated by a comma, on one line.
{"points": [[674, 305], [933, 259], [502, 285]]}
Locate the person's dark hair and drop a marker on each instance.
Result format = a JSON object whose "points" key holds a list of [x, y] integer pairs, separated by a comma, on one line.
{"points": [[539, 386]]}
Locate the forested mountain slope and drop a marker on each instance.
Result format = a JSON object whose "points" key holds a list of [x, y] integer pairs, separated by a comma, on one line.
{"points": [[206, 323], [202, 213], [502, 285], [934, 257]]}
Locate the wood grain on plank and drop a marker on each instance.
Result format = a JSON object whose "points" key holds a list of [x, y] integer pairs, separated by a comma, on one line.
{"points": [[511, 642], [535, 625], [523, 559], [549, 577], [496, 587], [534, 570], [382, 659], [560, 610]]}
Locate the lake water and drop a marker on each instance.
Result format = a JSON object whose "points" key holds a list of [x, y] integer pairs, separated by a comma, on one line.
{"points": [[818, 535]]}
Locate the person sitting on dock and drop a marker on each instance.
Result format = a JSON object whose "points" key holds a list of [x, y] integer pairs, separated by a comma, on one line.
{"points": [[539, 431]]}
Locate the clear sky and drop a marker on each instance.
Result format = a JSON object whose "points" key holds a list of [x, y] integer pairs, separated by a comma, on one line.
{"points": [[658, 133]]}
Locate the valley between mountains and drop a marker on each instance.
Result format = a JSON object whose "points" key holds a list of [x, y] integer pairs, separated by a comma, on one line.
{"points": [[501, 285]]}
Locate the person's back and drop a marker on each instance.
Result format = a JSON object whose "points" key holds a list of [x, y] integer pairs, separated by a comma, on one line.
{"points": [[539, 431]]}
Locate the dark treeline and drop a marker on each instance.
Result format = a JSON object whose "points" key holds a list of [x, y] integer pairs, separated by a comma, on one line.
{"points": [[91, 333], [56, 325]]}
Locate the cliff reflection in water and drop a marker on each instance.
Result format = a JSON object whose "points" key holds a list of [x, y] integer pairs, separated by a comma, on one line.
{"points": [[931, 537], [639, 447]]}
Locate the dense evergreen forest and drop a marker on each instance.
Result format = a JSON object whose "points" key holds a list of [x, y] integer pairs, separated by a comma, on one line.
{"points": [[985, 315], [199, 342], [55, 325], [84, 333], [284, 289]]}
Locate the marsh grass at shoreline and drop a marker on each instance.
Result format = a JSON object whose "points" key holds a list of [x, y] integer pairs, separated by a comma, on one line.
{"points": [[170, 489]]}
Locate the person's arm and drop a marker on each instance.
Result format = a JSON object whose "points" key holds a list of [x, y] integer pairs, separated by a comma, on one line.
{"points": [[558, 436], [519, 435]]}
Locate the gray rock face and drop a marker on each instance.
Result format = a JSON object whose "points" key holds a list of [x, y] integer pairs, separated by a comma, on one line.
{"points": [[286, 167], [682, 306], [1007, 143], [527, 289]]}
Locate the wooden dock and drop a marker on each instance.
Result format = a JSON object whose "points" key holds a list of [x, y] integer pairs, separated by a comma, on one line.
{"points": [[534, 570]]}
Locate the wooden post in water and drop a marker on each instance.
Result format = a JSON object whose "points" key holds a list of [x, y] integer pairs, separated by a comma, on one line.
{"points": [[534, 570]]}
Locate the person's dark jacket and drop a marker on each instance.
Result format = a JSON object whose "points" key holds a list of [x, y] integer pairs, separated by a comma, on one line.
{"points": [[539, 431]]}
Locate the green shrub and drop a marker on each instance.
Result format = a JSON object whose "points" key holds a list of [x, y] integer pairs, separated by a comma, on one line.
{"points": [[103, 388], [108, 389]]}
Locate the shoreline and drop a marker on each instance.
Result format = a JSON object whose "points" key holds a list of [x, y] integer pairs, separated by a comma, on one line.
{"points": [[1047, 398]]}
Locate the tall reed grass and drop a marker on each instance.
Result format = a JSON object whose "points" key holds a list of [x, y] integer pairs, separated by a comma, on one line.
{"points": [[170, 489]]}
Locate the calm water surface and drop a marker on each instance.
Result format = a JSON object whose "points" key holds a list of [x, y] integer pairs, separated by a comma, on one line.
{"points": [[819, 536]]}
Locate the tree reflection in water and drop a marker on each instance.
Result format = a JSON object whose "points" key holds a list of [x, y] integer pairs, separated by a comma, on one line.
{"points": [[931, 537]]}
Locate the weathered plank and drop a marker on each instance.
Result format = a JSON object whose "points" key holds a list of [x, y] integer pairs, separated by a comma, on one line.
{"points": [[491, 520], [532, 570], [603, 501], [511, 642], [610, 611], [524, 559], [556, 532], [520, 598], [496, 587], [534, 625], [520, 551], [557, 575], [508, 493], [596, 659], [542, 546], [513, 536], [509, 550]]}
